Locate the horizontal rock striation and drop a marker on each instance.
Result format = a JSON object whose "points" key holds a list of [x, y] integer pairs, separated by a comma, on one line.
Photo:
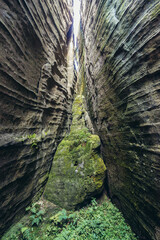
{"points": [[36, 91], [120, 46]]}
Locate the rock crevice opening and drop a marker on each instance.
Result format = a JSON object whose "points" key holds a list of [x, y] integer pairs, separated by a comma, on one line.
{"points": [[119, 69]]}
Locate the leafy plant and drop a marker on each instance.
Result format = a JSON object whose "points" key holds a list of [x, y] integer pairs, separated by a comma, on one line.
{"points": [[34, 140], [36, 214], [25, 233], [96, 222], [61, 218]]}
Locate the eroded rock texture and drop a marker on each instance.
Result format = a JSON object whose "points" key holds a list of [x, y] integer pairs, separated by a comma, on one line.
{"points": [[120, 45], [36, 88]]}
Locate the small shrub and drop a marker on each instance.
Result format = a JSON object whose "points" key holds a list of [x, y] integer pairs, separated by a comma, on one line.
{"points": [[34, 140], [25, 233], [36, 214], [61, 218]]}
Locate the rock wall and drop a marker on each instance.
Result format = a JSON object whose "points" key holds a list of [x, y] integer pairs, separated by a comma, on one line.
{"points": [[120, 46], [36, 88]]}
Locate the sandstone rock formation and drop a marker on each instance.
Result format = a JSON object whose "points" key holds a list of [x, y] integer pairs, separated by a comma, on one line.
{"points": [[36, 88], [120, 70], [78, 172], [120, 60]]}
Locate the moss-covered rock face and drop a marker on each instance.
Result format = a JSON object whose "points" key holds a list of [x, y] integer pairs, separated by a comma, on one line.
{"points": [[77, 172]]}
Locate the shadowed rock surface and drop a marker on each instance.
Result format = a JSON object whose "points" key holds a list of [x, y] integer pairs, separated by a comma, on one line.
{"points": [[36, 88], [78, 171], [120, 61]]}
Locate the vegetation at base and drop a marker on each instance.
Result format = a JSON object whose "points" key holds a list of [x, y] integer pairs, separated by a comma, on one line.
{"points": [[101, 222], [36, 213]]}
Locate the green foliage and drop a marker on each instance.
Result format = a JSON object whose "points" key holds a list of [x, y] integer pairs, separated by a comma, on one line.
{"points": [[13, 233], [34, 140], [36, 214], [97, 222], [26, 233], [13, 236], [61, 218]]}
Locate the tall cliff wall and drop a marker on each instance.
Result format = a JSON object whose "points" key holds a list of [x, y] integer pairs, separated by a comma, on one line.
{"points": [[120, 45], [36, 88]]}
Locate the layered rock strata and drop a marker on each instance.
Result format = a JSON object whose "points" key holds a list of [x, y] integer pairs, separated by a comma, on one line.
{"points": [[78, 171], [120, 61], [36, 91]]}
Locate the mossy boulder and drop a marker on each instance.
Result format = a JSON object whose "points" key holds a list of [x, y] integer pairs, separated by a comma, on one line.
{"points": [[78, 172]]}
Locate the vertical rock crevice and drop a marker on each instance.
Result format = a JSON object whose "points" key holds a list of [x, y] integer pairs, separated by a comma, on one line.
{"points": [[119, 68]]}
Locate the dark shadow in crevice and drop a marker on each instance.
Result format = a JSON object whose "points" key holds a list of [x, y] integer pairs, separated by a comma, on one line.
{"points": [[69, 34], [106, 186]]}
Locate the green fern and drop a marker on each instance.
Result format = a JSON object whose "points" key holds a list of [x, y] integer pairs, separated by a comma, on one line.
{"points": [[36, 214]]}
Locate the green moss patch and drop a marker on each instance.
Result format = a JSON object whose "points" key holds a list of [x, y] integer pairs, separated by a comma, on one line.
{"points": [[78, 172]]}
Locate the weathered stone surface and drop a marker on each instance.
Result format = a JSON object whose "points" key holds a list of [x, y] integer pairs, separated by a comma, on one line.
{"points": [[120, 47], [78, 172], [36, 88]]}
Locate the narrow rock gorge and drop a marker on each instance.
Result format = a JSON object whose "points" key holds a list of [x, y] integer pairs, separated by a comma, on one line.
{"points": [[120, 61], [119, 74], [78, 171], [36, 92]]}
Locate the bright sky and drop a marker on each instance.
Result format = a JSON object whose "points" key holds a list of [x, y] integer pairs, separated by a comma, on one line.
{"points": [[76, 19]]}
